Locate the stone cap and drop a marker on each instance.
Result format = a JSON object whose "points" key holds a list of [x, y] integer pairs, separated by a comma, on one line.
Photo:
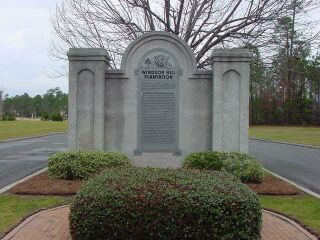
{"points": [[88, 54], [160, 36], [231, 55]]}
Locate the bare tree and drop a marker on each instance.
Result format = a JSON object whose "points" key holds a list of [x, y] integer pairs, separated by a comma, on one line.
{"points": [[203, 24]]}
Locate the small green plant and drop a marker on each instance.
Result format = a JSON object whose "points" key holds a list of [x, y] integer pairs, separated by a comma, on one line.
{"points": [[81, 165], [145, 203], [45, 116], [205, 160], [56, 117], [8, 117], [244, 166]]}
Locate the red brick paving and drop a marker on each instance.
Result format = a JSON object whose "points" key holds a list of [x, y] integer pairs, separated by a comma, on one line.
{"points": [[275, 226], [53, 224], [50, 224]]}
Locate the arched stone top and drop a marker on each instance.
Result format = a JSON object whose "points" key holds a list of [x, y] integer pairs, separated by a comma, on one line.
{"points": [[230, 71], [159, 35], [85, 70]]}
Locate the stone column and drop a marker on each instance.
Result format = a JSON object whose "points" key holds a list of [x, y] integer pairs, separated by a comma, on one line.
{"points": [[230, 106], [87, 90]]}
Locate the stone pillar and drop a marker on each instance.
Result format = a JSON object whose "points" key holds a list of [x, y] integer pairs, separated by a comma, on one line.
{"points": [[230, 106], [87, 91]]}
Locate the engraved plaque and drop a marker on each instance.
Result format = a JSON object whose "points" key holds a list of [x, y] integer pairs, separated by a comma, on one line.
{"points": [[158, 106]]}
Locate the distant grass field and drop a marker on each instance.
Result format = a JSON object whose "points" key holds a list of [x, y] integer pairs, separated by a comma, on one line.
{"points": [[25, 128], [302, 135]]}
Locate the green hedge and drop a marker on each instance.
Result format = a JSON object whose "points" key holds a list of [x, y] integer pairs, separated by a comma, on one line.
{"points": [[56, 117], [205, 160], [45, 116], [145, 203], [83, 164], [8, 117], [242, 165]]}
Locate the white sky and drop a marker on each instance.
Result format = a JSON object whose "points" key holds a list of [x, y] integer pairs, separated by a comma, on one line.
{"points": [[24, 41]]}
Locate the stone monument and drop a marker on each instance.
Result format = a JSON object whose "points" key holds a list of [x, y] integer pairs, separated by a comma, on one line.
{"points": [[158, 107]]}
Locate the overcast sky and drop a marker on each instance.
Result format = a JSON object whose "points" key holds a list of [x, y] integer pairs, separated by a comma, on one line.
{"points": [[24, 40]]}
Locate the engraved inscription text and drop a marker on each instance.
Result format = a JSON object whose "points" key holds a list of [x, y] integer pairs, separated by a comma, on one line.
{"points": [[158, 90]]}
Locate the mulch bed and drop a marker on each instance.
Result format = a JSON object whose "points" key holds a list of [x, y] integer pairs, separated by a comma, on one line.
{"points": [[272, 185], [43, 185]]}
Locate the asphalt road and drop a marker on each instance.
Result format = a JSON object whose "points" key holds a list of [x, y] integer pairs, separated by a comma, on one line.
{"points": [[299, 164], [22, 157]]}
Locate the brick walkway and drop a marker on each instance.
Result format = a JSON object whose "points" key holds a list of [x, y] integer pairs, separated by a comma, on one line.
{"points": [[53, 224]]}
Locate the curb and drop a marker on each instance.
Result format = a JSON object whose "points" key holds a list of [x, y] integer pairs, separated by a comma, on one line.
{"points": [[6, 188], [24, 138], [286, 143], [294, 184], [292, 223]]}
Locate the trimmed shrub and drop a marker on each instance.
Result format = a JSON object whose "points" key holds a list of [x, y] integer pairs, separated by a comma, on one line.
{"points": [[145, 203], [204, 160], [73, 165], [56, 117], [8, 117], [45, 116], [242, 165]]}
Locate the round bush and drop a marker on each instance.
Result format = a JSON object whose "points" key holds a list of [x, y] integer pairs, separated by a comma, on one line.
{"points": [[244, 166], [45, 116], [79, 165], [56, 117], [145, 203], [204, 160]]}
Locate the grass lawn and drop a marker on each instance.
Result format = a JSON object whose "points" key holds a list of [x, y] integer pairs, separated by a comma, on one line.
{"points": [[14, 208], [303, 135], [17, 129], [304, 207]]}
